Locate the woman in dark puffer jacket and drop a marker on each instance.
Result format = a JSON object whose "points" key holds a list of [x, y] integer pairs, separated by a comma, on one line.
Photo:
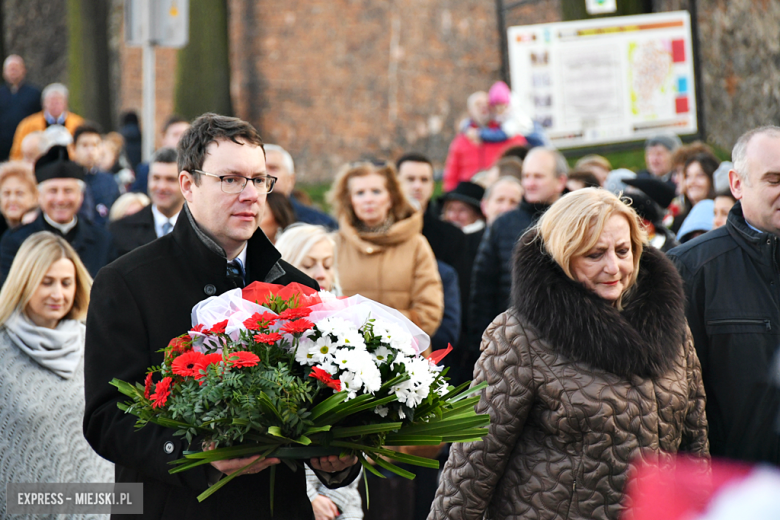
{"points": [[592, 370]]}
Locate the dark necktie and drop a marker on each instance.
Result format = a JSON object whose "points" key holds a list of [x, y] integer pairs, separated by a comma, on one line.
{"points": [[235, 271]]}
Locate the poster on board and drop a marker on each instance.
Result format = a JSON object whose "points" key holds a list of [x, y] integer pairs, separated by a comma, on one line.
{"points": [[607, 80]]}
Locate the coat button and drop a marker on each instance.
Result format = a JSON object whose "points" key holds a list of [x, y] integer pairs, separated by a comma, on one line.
{"points": [[210, 290], [168, 447]]}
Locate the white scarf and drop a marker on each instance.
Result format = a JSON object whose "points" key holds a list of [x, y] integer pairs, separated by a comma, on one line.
{"points": [[59, 349]]}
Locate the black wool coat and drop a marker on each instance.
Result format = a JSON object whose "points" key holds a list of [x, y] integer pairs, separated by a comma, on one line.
{"points": [[133, 231], [139, 303]]}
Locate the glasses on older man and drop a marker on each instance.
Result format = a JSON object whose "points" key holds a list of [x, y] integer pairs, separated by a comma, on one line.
{"points": [[236, 183]]}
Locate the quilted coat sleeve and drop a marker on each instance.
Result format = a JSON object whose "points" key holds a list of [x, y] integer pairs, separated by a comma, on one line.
{"points": [[694, 435], [474, 469]]}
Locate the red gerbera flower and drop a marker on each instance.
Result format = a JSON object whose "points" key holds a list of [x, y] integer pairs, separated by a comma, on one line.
{"points": [[243, 359], [161, 392], [291, 314], [203, 364], [260, 321], [297, 326], [186, 364], [198, 328], [322, 375], [218, 328], [148, 385], [269, 339]]}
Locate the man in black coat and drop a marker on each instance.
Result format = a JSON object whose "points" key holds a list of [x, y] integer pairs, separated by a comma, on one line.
{"points": [[144, 299], [61, 192], [17, 101], [731, 280], [158, 218], [544, 180]]}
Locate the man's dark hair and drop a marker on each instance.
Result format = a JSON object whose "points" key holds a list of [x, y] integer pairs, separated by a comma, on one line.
{"points": [[412, 157], [518, 150], [172, 120], [164, 155], [207, 129], [87, 127]]}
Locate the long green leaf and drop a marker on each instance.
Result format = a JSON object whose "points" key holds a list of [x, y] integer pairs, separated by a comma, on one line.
{"points": [[368, 466], [395, 469], [446, 426], [413, 440], [356, 409], [328, 404], [219, 485], [368, 429], [402, 457]]}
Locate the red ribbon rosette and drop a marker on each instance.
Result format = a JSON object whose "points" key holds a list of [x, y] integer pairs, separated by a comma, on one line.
{"points": [[259, 291]]}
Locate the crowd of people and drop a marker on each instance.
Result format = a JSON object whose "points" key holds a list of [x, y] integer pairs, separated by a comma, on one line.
{"points": [[617, 316]]}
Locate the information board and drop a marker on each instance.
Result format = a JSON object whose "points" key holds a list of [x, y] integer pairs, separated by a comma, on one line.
{"points": [[605, 80]]}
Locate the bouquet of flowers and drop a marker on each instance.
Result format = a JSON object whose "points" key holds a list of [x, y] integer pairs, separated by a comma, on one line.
{"points": [[291, 373]]}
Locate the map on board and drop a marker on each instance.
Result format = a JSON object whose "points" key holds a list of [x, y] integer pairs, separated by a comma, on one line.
{"points": [[605, 80]]}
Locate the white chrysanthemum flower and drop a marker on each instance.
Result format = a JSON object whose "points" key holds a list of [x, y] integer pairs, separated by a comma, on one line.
{"points": [[334, 325], [395, 336], [381, 411], [381, 355], [351, 384], [303, 355], [323, 350], [413, 391]]}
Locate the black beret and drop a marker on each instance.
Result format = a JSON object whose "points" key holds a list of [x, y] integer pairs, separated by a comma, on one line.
{"points": [[55, 164]]}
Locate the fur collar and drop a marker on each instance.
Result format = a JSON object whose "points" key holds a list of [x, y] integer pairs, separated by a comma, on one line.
{"points": [[643, 339]]}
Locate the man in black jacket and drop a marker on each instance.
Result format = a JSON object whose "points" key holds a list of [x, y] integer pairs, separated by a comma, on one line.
{"points": [[544, 180], [144, 299], [158, 218], [731, 280]]}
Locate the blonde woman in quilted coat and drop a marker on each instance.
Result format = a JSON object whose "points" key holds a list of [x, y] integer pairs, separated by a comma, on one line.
{"points": [[591, 370]]}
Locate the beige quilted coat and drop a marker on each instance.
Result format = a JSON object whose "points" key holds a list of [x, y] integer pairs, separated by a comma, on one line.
{"points": [[577, 392]]}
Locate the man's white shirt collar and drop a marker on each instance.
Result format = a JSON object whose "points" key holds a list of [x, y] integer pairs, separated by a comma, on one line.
{"points": [[63, 228], [160, 220]]}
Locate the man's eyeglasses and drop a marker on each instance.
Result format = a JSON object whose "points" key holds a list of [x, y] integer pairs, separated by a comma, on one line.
{"points": [[237, 183]]}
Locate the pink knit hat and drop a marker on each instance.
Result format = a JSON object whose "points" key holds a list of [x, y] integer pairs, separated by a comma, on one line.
{"points": [[499, 94]]}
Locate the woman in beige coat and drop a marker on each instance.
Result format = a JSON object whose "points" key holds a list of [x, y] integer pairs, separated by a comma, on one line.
{"points": [[380, 251], [592, 370]]}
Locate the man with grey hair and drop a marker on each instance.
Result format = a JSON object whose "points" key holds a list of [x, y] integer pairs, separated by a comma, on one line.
{"points": [[280, 164], [17, 101], [544, 181], [732, 278], [658, 156], [55, 112]]}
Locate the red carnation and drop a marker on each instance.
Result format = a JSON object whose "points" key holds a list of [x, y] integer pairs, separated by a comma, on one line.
{"points": [[291, 314], [198, 328], [148, 385], [322, 375], [260, 321], [269, 339], [243, 359], [187, 364], [297, 326], [161, 392], [218, 328]]}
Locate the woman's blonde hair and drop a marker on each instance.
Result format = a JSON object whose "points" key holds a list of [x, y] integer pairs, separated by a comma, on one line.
{"points": [[35, 257], [296, 241], [572, 227], [339, 196]]}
